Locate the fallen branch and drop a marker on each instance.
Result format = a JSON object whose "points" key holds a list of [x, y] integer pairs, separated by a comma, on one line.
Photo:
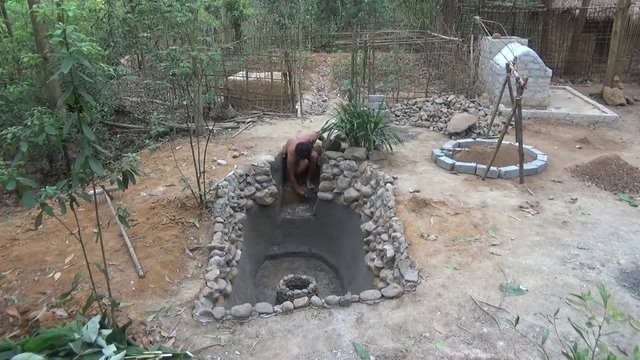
{"points": [[241, 130], [132, 252], [125, 126]]}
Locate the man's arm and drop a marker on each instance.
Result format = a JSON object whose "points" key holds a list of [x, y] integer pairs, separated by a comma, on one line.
{"points": [[291, 173]]}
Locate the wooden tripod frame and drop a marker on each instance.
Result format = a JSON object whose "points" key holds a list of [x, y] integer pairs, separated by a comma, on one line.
{"points": [[516, 113]]}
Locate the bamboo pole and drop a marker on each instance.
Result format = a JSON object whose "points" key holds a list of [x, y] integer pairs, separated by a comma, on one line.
{"points": [[132, 252], [495, 108], [505, 127]]}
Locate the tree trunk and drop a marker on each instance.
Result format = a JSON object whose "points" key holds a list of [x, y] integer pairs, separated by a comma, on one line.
{"points": [[198, 108], [617, 36], [573, 65], [54, 91], [5, 17]]}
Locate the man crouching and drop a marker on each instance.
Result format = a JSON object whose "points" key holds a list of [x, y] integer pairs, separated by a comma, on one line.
{"points": [[300, 155]]}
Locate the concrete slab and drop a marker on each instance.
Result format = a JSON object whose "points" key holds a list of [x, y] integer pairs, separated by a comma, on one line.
{"points": [[567, 104]]}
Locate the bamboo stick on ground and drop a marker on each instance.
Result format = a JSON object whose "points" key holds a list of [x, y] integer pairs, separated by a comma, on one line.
{"points": [[132, 252]]}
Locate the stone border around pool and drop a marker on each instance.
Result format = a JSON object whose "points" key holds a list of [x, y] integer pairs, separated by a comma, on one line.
{"points": [[443, 158], [348, 178]]}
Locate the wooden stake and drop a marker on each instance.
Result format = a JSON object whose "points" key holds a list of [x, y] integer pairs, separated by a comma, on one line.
{"points": [[617, 36], [505, 128], [126, 239], [495, 109]]}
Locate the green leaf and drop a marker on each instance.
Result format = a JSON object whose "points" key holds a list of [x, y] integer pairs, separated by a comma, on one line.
{"points": [[88, 98], [91, 329], [578, 329], [63, 99], [88, 131], [119, 356], [24, 146], [67, 63], [636, 353], [96, 165], [62, 205], [545, 336], [28, 200], [38, 222], [628, 199], [604, 295], [439, 346], [465, 238], [11, 185], [510, 288], [362, 352], [28, 356]]}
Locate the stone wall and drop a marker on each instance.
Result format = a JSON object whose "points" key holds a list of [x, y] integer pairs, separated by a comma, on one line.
{"points": [[347, 178]]}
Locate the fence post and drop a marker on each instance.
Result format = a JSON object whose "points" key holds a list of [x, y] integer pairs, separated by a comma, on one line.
{"points": [[617, 36]]}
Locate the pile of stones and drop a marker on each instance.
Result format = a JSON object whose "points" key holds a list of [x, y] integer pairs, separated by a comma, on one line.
{"points": [[347, 178], [453, 115], [293, 286]]}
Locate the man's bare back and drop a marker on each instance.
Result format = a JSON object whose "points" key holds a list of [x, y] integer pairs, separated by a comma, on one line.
{"points": [[301, 156]]}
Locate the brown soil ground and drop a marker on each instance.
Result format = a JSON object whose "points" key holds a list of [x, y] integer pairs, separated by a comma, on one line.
{"points": [[610, 173], [166, 234], [481, 154]]}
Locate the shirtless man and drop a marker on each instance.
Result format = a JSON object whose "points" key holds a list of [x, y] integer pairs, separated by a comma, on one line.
{"points": [[301, 155]]}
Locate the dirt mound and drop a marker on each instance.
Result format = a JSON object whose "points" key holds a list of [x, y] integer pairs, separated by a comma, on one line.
{"points": [[481, 154], [610, 173]]}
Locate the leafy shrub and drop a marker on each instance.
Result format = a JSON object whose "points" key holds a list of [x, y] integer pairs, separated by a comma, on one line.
{"points": [[361, 128]]}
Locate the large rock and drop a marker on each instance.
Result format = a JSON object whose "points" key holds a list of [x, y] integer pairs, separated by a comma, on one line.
{"points": [[267, 196], [356, 153], [613, 96], [264, 308], [461, 122], [351, 195], [370, 295], [241, 311], [392, 291]]}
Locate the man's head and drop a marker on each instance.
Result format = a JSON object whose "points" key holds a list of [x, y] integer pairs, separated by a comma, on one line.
{"points": [[303, 151]]}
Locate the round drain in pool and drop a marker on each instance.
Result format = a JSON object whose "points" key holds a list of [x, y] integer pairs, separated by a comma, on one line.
{"points": [[295, 286]]}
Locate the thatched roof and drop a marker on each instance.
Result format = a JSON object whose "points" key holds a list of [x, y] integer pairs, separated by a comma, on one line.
{"points": [[573, 4], [598, 9]]}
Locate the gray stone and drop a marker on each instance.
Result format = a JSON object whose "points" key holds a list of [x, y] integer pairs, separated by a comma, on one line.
{"points": [[286, 306], [465, 168], [241, 311], [219, 312], [325, 196], [411, 275], [262, 179], [509, 172], [351, 195], [349, 165], [301, 302], [267, 196], [212, 275], [326, 186], [355, 298], [392, 291], [345, 301], [461, 122], [356, 153], [343, 182], [316, 301], [370, 295], [331, 300], [263, 308], [366, 191], [377, 155], [404, 265], [333, 155], [436, 153], [446, 163], [368, 227], [221, 162], [202, 311], [217, 261], [613, 96], [494, 172]]}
